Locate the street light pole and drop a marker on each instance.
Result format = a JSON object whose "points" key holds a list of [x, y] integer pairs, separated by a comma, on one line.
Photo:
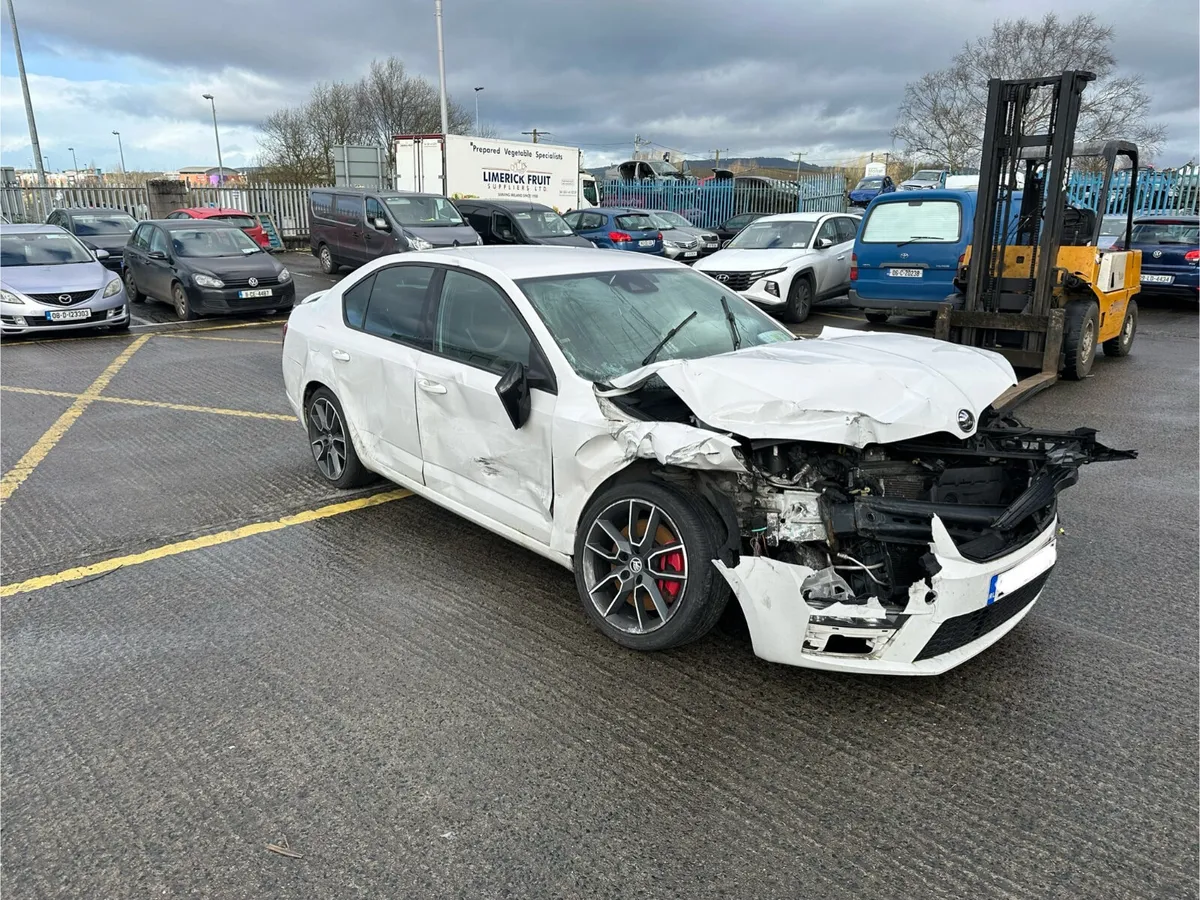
{"points": [[74, 161], [33, 138], [122, 151], [217, 135], [477, 90], [437, 13]]}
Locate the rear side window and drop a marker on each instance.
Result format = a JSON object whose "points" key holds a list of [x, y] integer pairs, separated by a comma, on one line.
{"points": [[239, 221], [397, 305], [592, 221], [354, 302], [322, 204], [847, 228], [918, 221], [349, 208], [636, 223]]}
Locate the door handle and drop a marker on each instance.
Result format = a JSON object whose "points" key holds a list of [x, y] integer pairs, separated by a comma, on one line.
{"points": [[843, 256], [341, 355], [431, 387]]}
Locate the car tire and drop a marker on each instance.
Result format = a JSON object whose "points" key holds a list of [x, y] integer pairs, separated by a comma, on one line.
{"points": [[183, 306], [1081, 323], [1123, 342], [131, 288], [799, 300], [328, 264], [328, 433], [877, 318], [617, 599]]}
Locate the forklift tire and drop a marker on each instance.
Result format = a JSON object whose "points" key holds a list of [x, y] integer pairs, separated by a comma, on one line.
{"points": [[1079, 338], [1123, 342]]}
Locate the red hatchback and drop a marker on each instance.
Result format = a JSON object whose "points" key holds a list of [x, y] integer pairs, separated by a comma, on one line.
{"points": [[242, 220]]}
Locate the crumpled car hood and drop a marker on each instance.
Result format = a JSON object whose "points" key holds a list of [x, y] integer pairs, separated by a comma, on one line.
{"points": [[843, 387]]}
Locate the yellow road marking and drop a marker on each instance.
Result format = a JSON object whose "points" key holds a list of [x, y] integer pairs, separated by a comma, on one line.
{"points": [[181, 407], [207, 337], [15, 476], [208, 540], [262, 324]]}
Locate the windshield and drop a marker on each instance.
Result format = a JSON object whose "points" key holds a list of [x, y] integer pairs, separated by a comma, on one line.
{"points": [[670, 220], [426, 212], [239, 221], [1166, 233], [868, 183], [773, 236], [606, 323], [42, 250], [917, 221], [928, 175], [212, 242], [542, 223], [636, 222], [662, 168], [109, 223]]}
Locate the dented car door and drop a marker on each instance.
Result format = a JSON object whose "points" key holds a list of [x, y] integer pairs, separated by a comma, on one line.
{"points": [[473, 452]]}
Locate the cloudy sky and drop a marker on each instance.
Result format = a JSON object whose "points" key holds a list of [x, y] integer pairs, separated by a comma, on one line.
{"points": [[764, 77]]}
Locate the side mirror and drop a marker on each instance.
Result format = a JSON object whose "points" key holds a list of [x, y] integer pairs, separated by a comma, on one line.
{"points": [[506, 236], [381, 224], [824, 243], [157, 254], [725, 244], [513, 391], [101, 254]]}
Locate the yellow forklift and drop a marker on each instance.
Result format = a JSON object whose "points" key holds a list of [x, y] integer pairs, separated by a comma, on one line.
{"points": [[1036, 286]]}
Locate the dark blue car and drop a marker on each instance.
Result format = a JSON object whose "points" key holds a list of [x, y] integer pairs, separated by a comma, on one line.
{"points": [[617, 228], [870, 188], [1170, 248]]}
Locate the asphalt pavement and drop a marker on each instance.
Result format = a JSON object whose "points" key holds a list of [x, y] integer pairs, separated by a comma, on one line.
{"points": [[207, 654]]}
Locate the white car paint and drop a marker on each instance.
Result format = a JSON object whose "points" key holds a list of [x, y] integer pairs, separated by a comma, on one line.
{"points": [[435, 426], [828, 268]]}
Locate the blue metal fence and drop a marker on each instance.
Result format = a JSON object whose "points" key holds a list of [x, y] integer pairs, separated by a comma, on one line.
{"points": [[711, 203], [1176, 192]]}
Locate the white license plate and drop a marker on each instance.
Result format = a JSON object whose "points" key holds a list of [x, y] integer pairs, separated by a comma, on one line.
{"points": [[689, 254], [261, 292], [905, 273], [1157, 279], [69, 315], [645, 243], [711, 246]]}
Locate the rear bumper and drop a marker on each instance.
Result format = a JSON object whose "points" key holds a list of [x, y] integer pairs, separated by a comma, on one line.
{"points": [[901, 307]]}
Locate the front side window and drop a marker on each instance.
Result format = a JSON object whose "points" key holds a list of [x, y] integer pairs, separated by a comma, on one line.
{"points": [[397, 306], [424, 212], [774, 236], [828, 231], [158, 241], [589, 193], [606, 323], [375, 211], [210, 242], [109, 223], [541, 223], [477, 325], [141, 238], [42, 250], [914, 221]]}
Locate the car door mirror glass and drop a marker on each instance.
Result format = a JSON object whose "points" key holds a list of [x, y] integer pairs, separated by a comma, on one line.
{"points": [[513, 391]]}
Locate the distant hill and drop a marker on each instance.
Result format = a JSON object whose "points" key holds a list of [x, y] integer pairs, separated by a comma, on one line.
{"points": [[771, 166]]}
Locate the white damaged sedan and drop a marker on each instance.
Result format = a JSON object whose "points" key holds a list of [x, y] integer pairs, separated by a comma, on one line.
{"points": [[673, 446]]}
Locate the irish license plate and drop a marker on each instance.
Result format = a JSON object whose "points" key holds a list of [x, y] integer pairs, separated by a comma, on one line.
{"points": [[904, 273], [68, 315], [261, 292], [1157, 279], [645, 243], [712, 246], [688, 254]]}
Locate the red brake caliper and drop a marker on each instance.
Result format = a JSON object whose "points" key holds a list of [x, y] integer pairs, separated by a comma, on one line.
{"points": [[671, 562]]}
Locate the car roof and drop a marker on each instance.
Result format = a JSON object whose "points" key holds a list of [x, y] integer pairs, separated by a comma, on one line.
{"points": [[934, 194], [373, 193], [537, 261], [798, 217], [1168, 218], [7, 228], [510, 205], [92, 210], [206, 211], [180, 224]]}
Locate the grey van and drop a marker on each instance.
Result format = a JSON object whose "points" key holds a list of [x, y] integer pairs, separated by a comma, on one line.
{"points": [[349, 227], [518, 222]]}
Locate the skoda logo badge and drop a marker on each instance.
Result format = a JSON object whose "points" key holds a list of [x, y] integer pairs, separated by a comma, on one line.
{"points": [[966, 420], [722, 277], [635, 565], [253, 282], [1157, 254]]}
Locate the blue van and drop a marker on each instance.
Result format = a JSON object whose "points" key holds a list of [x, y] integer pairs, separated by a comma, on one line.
{"points": [[908, 251]]}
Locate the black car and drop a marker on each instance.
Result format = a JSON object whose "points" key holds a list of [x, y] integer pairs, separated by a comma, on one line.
{"points": [[99, 228], [204, 267], [518, 222], [729, 229]]}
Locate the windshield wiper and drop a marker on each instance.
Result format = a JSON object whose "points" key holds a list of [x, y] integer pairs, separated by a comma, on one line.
{"points": [[670, 334], [922, 237], [733, 327]]}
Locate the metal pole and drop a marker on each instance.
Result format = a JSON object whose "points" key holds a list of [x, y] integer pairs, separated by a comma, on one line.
{"points": [[217, 135], [120, 149], [437, 12], [33, 138], [477, 90], [74, 161]]}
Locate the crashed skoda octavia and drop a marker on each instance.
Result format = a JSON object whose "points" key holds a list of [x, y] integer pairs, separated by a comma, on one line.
{"points": [[644, 426]]}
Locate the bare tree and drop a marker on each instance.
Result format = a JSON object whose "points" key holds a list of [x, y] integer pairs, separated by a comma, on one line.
{"points": [[290, 151], [395, 102], [942, 114]]}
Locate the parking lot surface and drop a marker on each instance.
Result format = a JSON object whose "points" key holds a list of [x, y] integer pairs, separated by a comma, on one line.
{"points": [[207, 651]]}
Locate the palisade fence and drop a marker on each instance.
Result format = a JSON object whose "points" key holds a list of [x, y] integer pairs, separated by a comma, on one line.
{"points": [[287, 203], [711, 203], [1157, 192]]}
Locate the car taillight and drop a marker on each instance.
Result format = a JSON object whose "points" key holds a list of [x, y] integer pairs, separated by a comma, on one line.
{"points": [[618, 237], [854, 267], [1192, 256], [658, 237]]}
